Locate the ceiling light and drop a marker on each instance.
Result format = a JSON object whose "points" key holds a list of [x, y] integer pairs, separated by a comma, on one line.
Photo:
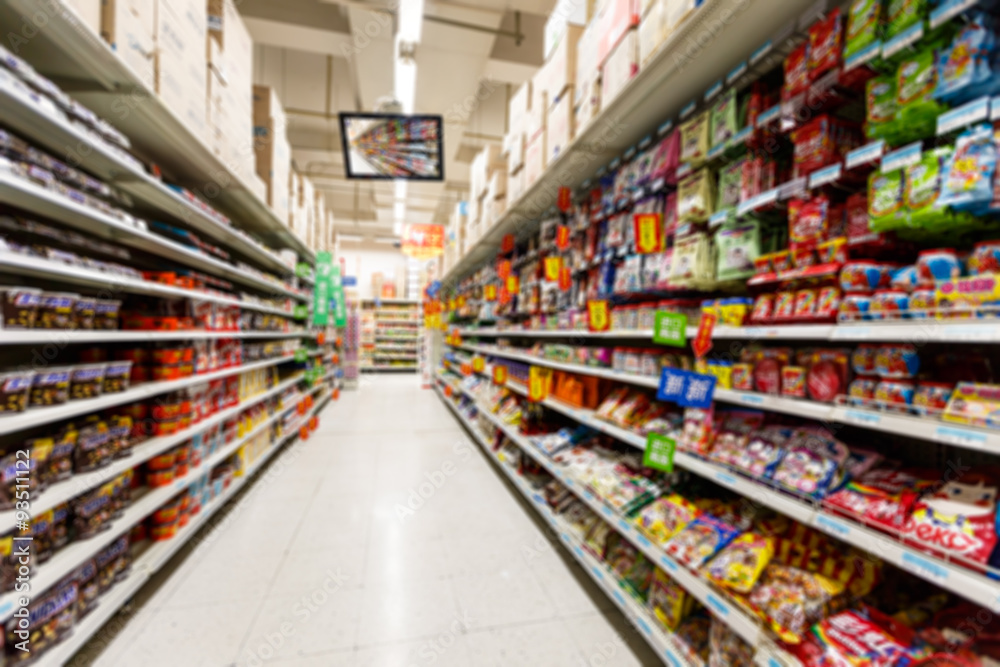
{"points": [[401, 190], [406, 82], [411, 18], [349, 238], [388, 240]]}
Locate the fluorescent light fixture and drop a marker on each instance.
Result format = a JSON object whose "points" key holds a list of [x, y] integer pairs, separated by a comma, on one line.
{"points": [[397, 227], [349, 238], [411, 19], [388, 240], [401, 190], [399, 211], [406, 82]]}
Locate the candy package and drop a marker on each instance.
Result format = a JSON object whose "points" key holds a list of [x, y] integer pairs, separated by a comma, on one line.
{"points": [[883, 496], [740, 564], [724, 118], [862, 26], [696, 197], [916, 80], [825, 44], [700, 540], [695, 141], [666, 516], [727, 649], [738, 247], [796, 71], [964, 66], [813, 463], [968, 181], [881, 106], [902, 14], [729, 186], [669, 602], [763, 453], [865, 637], [885, 200], [792, 600]]}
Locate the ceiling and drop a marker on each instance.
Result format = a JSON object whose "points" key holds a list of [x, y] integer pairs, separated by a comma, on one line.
{"points": [[326, 56]]}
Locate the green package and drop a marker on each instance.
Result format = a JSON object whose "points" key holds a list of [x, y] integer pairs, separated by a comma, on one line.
{"points": [[901, 14], [730, 178], [862, 26], [916, 80], [885, 198], [923, 187], [738, 249], [881, 106], [724, 118]]}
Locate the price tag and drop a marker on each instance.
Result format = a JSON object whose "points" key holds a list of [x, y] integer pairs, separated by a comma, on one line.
{"points": [[648, 229], [565, 199], [539, 383], [553, 264], [507, 243], [645, 142], [562, 237], [924, 567], [903, 40], [500, 374], [903, 157], [725, 479], [967, 114], [668, 563], [503, 269], [865, 154], [629, 154], [659, 453], [825, 176], [716, 151], [741, 136], [832, 526], [720, 218], [688, 109], [863, 56], [598, 315], [703, 341], [736, 73], [490, 292], [513, 284], [670, 329], [717, 605], [948, 10], [663, 129], [862, 417], [759, 54], [769, 116], [713, 90], [959, 436], [565, 279]]}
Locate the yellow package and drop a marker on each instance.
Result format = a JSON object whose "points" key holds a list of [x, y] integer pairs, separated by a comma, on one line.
{"points": [[695, 135], [666, 516], [740, 564], [669, 602]]}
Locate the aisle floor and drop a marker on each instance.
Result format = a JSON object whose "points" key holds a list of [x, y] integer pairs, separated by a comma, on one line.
{"points": [[323, 563]]}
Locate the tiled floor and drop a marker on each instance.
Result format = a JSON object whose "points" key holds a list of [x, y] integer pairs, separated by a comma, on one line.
{"points": [[319, 565]]}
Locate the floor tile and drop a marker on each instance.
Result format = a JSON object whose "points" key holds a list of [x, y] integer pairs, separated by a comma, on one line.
{"points": [[548, 643], [407, 610]]}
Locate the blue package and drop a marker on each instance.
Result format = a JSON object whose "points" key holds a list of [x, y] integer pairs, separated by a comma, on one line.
{"points": [[968, 182]]}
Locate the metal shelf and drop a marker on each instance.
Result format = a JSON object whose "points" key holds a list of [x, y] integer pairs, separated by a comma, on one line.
{"points": [[103, 161], [74, 337], [18, 192], [68, 50]]}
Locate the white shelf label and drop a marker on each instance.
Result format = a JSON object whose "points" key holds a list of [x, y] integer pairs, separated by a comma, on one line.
{"points": [[903, 157], [618, 598], [768, 116], [924, 567], [967, 114], [643, 540], [832, 526], [683, 170], [761, 200], [759, 54], [668, 563], [949, 9], [688, 109], [742, 135], [864, 55], [959, 436], [607, 511], [725, 479], [736, 73], [902, 40], [720, 218], [865, 154], [716, 151], [674, 662], [717, 605], [714, 90], [663, 129], [862, 417], [750, 399], [792, 188], [624, 526], [825, 175], [597, 573], [644, 626]]}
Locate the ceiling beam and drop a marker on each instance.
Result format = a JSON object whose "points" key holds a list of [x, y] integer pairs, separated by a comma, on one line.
{"points": [[300, 38]]}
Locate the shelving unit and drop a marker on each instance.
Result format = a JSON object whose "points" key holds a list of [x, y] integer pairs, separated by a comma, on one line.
{"points": [[390, 335]]}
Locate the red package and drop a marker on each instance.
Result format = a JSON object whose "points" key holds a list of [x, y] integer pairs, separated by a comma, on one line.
{"points": [[763, 308], [827, 376], [767, 376], [883, 497], [864, 637], [796, 72], [825, 44]]}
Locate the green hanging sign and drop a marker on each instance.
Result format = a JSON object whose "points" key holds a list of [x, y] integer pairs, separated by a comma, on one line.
{"points": [[659, 454], [670, 329], [337, 304], [303, 270], [323, 289], [301, 311]]}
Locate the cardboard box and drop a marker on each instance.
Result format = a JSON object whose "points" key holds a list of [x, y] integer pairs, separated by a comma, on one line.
{"points": [[559, 134], [129, 27], [534, 160], [515, 158], [588, 67], [589, 105], [539, 106], [652, 31], [88, 11], [620, 67], [518, 108], [676, 11], [566, 13], [615, 19], [515, 186], [558, 74], [181, 61]]}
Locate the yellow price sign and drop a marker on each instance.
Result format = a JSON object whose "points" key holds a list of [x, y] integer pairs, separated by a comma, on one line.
{"points": [[539, 383], [478, 364], [553, 265], [598, 315], [648, 232], [513, 284], [500, 374], [461, 301], [490, 292]]}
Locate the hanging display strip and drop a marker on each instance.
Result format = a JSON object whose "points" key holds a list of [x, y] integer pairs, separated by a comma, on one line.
{"points": [[23, 115], [923, 428], [648, 627], [24, 194], [158, 554]]}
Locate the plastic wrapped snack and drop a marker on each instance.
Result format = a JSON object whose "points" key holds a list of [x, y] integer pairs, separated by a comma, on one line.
{"points": [[700, 540]]}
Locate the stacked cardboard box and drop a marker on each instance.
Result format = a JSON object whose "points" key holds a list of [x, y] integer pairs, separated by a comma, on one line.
{"points": [[566, 13], [181, 61], [88, 11], [273, 155], [230, 109], [587, 97], [556, 81], [129, 27], [518, 108], [487, 166]]}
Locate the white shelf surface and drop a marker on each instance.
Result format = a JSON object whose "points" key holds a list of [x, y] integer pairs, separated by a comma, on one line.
{"points": [[67, 48], [75, 336], [37, 267], [949, 575], [155, 557], [94, 155], [46, 415], [17, 192], [638, 615], [922, 428]]}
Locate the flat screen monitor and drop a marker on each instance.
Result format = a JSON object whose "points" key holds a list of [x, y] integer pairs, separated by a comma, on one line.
{"points": [[390, 146]]}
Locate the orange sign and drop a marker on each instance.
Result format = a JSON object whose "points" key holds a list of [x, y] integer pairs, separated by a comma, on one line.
{"points": [[461, 301], [490, 292], [478, 364], [648, 232], [565, 279], [513, 284], [562, 237], [702, 342], [500, 374], [466, 369], [552, 266], [503, 269], [539, 383], [598, 316], [321, 338], [447, 390], [565, 200], [507, 244], [423, 241], [504, 297]]}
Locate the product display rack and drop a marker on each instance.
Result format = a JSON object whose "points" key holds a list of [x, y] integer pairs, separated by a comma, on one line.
{"points": [[390, 334]]}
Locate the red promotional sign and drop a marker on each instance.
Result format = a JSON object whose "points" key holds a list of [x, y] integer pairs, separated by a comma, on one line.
{"points": [[503, 269], [648, 232], [423, 241], [504, 295], [507, 244], [702, 343], [565, 201], [562, 237], [565, 279]]}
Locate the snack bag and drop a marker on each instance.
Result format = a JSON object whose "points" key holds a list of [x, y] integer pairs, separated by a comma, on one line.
{"points": [[974, 404], [862, 26], [695, 138], [864, 637], [729, 186], [696, 197], [666, 516], [670, 603], [968, 181], [740, 564], [700, 540], [901, 14], [881, 105], [791, 600], [726, 648], [723, 118], [738, 248], [640, 576], [883, 497], [812, 464], [923, 184], [964, 66], [885, 199], [698, 430], [764, 452], [796, 71], [825, 39], [916, 80], [959, 519]]}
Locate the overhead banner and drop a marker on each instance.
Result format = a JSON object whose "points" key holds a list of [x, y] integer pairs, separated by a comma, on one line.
{"points": [[323, 289], [423, 241], [337, 305]]}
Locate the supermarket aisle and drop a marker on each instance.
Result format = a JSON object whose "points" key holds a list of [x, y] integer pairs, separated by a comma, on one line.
{"points": [[385, 540]]}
